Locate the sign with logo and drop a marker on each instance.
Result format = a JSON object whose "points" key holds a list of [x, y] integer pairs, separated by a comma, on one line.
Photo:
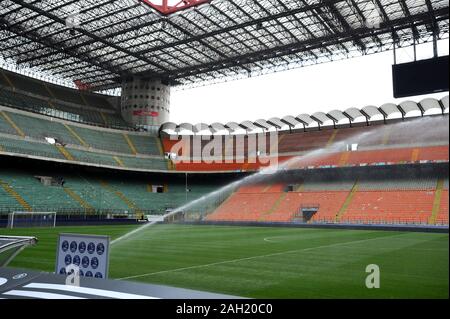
{"points": [[87, 253]]}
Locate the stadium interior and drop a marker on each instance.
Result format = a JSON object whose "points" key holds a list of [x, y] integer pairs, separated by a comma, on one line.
{"points": [[97, 158]]}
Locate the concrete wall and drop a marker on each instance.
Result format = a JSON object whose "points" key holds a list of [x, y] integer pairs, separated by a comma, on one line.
{"points": [[146, 96]]}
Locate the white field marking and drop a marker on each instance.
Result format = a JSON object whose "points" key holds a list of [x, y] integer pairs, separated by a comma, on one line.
{"points": [[254, 257], [270, 240], [39, 295], [88, 291]]}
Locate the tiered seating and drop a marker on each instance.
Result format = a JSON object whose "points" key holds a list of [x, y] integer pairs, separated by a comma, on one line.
{"points": [[416, 183], [3, 81], [253, 188], [5, 127], [98, 193], [323, 185], [436, 153], [95, 100], [67, 95], [40, 128], [304, 141], [141, 195], [38, 196], [442, 217], [145, 163], [392, 207], [21, 101], [328, 204], [22, 146], [275, 188], [56, 101], [93, 158], [57, 109], [313, 159], [28, 147], [385, 194], [29, 85], [103, 140], [380, 156], [145, 144], [379, 135], [322, 159], [7, 202], [245, 207], [216, 167], [278, 207]]}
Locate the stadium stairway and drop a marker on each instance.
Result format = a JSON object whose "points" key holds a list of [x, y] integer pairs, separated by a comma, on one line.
{"points": [[415, 155], [386, 135], [125, 199], [332, 138], [266, 215], [147, 145], [23, 203], [130, 144], [344, 159], [8, 80], [347, 202], [65, 152], [50, 92], [13, 125], [78, 199], [442, 218], [75, 135], [119, 161], [105, 120], [84, 99], [437, 202]]}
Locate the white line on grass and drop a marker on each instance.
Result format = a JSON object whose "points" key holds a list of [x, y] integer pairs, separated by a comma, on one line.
{"points": [[254, 257], [270, 240]]}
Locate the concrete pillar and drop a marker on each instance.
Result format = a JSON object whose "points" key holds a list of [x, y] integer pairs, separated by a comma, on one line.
{"points": [[145, 102]]}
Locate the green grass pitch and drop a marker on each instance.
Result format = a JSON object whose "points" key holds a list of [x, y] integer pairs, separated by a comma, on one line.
{"points": [[263, 262]]}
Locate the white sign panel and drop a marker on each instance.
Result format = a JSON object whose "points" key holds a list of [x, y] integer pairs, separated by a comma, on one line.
{"points": [[90, 253]]}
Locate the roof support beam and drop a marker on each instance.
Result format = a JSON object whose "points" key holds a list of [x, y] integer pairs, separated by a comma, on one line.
{"points": [[386, 19], [407, 13], [344, 24], [63, 4], [310, 44], [363, 20], [246, 24], [76, 55], [392, 25], [88, 34]]}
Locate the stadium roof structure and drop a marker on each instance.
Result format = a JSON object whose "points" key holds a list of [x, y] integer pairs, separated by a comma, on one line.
{"points": [[367, 114], [101, 42]]}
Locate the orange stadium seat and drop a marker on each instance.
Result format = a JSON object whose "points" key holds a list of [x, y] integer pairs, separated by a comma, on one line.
{"points": [[442, 218], [306, 141], [390, 207], [328, 204], [435, 153], [245, 207]]}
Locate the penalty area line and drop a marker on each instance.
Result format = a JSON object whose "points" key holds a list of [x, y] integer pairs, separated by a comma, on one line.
{"points": [[254, 257]]}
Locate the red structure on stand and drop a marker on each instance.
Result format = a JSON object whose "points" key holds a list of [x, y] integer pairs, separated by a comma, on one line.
{"points": [[164, 7]]}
